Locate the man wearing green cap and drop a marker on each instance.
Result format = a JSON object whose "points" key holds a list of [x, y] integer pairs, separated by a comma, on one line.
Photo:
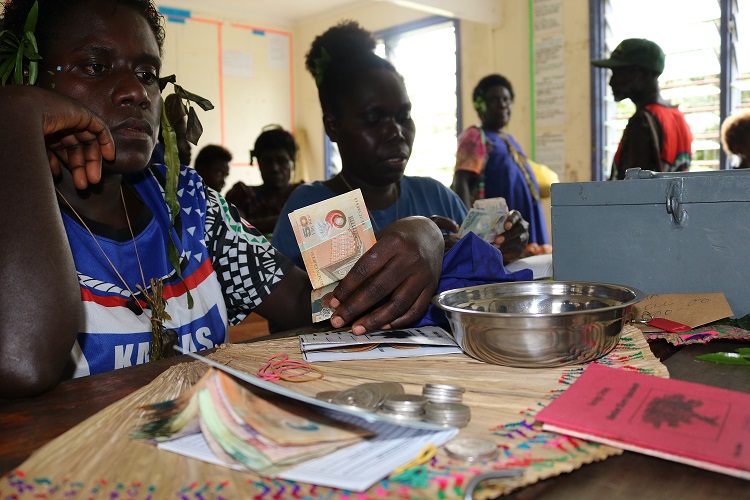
{"points": [[657, 137]]}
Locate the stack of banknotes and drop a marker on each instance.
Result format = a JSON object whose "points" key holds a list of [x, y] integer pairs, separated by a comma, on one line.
{"points": [[264, 434], [332, 235], [485, 219]]}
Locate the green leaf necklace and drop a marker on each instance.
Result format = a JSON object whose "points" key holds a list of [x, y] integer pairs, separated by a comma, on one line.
{"points": [[162, 339]]}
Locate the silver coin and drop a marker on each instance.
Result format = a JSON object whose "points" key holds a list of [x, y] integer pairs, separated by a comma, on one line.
{"points": [[399, 416], [471, 449], [447, 409], [443, 393], [326, 395], [444, 388], [405, 402], [367, 396]]}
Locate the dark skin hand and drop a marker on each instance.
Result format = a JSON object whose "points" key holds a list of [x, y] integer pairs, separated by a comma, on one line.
{"points": [[511, 243], [404, 267]]}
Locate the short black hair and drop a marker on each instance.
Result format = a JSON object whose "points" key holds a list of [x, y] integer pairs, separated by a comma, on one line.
{"points": [[210, 154], [490, 81], [274, 137], [338, 57], [51, 11]]}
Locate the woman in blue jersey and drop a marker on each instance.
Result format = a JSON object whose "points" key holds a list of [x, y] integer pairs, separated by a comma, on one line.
{"points": [[90, 267], [367, 113]]}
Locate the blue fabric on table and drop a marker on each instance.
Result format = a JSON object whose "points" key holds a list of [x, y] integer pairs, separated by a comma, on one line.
{"points": [[472, 261]]}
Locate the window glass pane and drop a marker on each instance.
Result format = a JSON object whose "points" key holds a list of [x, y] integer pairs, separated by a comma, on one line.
{"points": [[742, 83]]}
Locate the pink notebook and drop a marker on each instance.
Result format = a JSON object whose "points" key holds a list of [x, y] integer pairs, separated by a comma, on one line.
{"points": [[694, 424]]}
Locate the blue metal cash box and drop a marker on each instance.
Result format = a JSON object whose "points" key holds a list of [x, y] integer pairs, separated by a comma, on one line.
{"points": [[658, 232]]}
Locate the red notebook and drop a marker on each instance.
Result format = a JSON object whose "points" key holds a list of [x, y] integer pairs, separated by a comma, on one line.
{"points": [[694, 424]]}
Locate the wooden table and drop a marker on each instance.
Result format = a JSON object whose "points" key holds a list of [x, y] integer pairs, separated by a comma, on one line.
{"points": [[27, 424]]}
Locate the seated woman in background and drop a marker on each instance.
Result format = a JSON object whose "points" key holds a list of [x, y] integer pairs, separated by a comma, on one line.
{"points": [[490, 163], [367, 112], [276, 152], [87, 204], [735, 137], [212, 164]]}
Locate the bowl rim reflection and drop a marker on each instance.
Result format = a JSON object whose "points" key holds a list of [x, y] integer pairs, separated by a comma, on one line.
{"points": [[542, 284]]}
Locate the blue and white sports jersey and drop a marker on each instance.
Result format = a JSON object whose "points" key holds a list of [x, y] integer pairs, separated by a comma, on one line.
{"points": [[227, 264]]}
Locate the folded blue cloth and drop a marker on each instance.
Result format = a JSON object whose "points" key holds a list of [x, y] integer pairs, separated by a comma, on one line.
{"points": [[472, 261]]}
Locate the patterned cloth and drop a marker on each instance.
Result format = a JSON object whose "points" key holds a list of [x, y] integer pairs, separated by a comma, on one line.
{"points": [[502, 170], [673, 132], [418, 196], [227, 265], [702, 335]]}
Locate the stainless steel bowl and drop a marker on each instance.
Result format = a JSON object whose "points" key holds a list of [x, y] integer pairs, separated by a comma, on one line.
{"points": [[535, 324]]}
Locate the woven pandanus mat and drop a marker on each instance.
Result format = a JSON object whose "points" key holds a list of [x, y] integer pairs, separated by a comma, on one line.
{"points": [[97, 459]]}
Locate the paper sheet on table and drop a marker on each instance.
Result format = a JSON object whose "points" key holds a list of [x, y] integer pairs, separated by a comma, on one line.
{"points": [[354, 468], [692, 309], [405, 343], [540, 265]]}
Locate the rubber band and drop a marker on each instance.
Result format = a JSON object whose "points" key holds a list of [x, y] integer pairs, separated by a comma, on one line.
{"points": [[423, 457], [296, 371]]}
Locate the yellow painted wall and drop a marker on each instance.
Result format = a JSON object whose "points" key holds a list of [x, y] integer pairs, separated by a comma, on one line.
{"points": [[255, 88]]}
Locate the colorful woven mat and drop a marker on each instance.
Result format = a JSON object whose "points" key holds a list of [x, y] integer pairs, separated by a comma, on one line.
{"points": [[702, 335], [96, 459]]}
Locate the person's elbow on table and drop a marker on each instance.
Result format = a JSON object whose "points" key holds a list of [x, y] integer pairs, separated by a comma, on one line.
{"points": [[33, 357]]}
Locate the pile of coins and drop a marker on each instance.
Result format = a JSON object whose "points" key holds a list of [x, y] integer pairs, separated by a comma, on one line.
{"points": [[404, 407], [439, 403], [447, 414], [367, 397], [443, 393]]}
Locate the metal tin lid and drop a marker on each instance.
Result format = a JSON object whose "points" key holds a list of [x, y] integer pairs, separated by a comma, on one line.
{"points": [[471, 449]]}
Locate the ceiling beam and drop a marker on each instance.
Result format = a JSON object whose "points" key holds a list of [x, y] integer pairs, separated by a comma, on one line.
{"points": [[481, 11]]}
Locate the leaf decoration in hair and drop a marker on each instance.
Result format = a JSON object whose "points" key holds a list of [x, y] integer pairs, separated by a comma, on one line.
{"points": [[172, 160], [194, 127], [480, 104], [321, 64], [171, 157], [15, 51]]}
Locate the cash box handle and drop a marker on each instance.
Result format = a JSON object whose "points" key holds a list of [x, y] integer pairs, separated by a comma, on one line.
{"points": [[674, 203]]}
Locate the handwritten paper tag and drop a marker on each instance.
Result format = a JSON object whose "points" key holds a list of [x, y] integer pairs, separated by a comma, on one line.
{"points": [[692, 309]]}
